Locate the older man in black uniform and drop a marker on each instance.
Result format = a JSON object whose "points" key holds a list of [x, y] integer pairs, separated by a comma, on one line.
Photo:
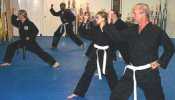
{"points": [[143, 40], [67, 17], [27, 32]]}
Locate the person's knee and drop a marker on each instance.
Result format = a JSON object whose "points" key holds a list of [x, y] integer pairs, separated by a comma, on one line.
{"points": [[57, 34], [90, 69], [153, 97], [116, 96], [12, 46], [154, 91], [158, 95], [42, 54]]}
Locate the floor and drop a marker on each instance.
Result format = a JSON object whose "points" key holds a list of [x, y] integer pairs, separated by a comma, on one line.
{"points": [[32, 79]]}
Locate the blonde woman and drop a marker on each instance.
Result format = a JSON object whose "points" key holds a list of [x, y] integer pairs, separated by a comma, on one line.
{"points": [[100, 59]]}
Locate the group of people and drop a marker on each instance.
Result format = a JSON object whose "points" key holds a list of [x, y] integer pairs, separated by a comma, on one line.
{"points": [[139, 46]]}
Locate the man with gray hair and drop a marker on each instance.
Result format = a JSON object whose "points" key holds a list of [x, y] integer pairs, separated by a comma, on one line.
{"points": [[144, 40]]}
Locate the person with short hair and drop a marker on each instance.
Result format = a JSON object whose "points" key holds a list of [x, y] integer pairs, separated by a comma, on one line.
{"points": [[66, 28], [120, 25], [144, 40], [27, 32]]}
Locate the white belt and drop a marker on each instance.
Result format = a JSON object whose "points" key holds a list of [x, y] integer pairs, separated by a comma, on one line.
{"points": [[104, 48], [134, 69], [63, 26]]}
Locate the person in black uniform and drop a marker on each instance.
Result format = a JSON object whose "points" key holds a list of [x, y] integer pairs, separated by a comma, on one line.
{"points": [[144, 40], [67, 17], [101, 55], [85, 29], [85, 26], [120, 25], [27, 32]]}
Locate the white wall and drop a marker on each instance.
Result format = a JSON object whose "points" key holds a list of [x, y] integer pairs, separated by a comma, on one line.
{"points": [[171, 18], [39, 13], [34, 9], [128, 4]]}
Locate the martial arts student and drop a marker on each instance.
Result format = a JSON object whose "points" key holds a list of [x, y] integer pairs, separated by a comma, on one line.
{"points": [[85, 30], [120, 25], [101, 58], [85, 26], [144, 40], [27, 32], [67, 17]]}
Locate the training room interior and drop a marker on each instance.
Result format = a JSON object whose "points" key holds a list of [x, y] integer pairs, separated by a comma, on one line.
{"points": [[29, 78]]}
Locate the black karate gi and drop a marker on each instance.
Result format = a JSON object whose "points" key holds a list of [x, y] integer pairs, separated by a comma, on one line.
{"points": [[66, 17], [85, 30], [143, 49], [26, 29], [122, 46], [91, 66]]}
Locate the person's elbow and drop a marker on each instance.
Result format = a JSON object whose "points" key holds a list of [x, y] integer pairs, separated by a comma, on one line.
{"points": [[171, 49]]}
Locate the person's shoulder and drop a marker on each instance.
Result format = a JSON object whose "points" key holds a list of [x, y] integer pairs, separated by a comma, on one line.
{"points": [[29, 22], [155, 28], [68, 10], [121, 21], [132, 26]]}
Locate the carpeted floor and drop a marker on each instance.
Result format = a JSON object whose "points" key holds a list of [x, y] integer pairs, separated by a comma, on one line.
{"points": [[32, 79]]}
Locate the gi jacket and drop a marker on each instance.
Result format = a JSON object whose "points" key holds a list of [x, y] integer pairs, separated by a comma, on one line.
{"points": [[66, 15], [26, 29], [100, 38], [143, 47]]}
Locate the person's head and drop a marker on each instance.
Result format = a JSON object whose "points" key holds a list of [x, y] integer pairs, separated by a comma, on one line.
{"points": [[22, 15], [116, 15], [101, 17], [86, 16], [62, 6], [141, 12]]}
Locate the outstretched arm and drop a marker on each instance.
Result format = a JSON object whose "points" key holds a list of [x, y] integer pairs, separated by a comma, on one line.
{"points": [[53, 12], [14, 20], [115, 35]]}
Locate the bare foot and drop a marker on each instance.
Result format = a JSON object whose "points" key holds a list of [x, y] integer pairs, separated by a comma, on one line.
{"points": [[5, 64], [72, 96]]}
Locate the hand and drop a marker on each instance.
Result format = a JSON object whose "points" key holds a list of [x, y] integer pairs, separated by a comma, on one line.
{"points": [[27, 38], [154, 65], [85, 20], [51, 5]]}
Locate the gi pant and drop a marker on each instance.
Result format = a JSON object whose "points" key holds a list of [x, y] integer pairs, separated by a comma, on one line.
{"points": [[69, 29], [90, 69], [148, 80], [31, 46]]}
